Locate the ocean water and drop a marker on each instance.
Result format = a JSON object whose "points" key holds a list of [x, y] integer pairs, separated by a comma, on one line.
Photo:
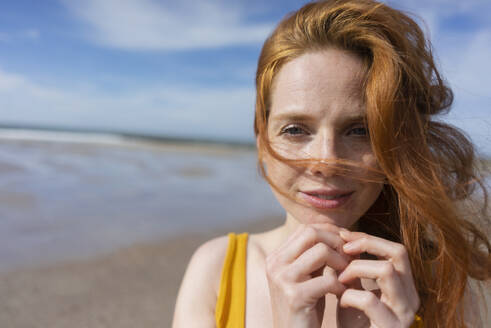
{"points": [[60, 200]]}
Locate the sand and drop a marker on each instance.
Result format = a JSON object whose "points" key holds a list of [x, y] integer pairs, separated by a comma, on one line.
{"points": [[132, 287]]}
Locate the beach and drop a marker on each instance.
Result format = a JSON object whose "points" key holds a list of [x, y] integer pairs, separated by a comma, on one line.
{"points": [[99, 233], [132, 287]]}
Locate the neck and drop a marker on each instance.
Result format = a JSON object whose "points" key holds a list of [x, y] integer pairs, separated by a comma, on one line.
{"points": [[291, 224], [271, 240]]}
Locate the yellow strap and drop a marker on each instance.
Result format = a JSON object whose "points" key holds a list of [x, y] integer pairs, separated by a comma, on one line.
{"points": [[230, 308], [418, 322]]}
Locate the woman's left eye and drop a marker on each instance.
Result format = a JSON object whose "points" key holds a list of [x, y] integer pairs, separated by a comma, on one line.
{"points": [[359, 131]]}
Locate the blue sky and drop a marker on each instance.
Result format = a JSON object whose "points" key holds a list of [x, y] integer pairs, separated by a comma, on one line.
{"points": [[186, 68]]}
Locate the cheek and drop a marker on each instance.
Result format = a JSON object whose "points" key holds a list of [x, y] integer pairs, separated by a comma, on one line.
{"points": [[371, 178], [371, 172], [369, 159], [288, 150], [281, 174]]}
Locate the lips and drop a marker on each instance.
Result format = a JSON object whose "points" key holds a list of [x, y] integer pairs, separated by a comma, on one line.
{"points": [[326, 199]]}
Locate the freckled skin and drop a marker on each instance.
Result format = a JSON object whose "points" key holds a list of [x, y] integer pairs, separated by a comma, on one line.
{"points": [[306, 273], [316, 101]]}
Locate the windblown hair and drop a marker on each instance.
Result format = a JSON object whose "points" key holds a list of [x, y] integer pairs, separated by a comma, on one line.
{"points": [[429, 166]]}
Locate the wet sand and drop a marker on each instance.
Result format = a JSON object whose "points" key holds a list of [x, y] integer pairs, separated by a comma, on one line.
{"points": [[132, 287], [62, 200]]}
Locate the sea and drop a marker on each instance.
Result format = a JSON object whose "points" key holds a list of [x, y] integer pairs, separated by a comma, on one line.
{"points": [[66, 195]]}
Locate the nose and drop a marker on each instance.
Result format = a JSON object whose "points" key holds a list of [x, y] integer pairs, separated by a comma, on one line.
{"points": [[324, 151]]}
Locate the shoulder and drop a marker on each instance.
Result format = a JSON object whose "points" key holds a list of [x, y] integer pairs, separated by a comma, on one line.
{"points": [[198, 293], [209, 256], [206, 265]]}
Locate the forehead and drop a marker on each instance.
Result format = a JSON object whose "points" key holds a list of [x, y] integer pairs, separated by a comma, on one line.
{"points": [[318, 81]]}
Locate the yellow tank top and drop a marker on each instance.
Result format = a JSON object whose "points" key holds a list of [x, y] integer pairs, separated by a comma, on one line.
{"points": [[230, 307]]}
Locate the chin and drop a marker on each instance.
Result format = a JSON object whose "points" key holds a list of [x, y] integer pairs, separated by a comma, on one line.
{"points": [[340, 218]]}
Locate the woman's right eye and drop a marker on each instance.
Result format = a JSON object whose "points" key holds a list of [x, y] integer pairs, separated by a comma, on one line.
{"points": [[293, 130]]}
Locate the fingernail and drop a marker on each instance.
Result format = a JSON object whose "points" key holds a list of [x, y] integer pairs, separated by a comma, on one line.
{"points": [[344, 234]]}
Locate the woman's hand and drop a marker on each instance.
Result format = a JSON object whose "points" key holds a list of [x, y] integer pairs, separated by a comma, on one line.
{"points": [[398, 300], [301, 272]]}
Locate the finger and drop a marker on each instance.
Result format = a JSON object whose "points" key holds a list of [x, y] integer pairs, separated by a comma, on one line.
{"points": [[394, 293], [328, 227], [322, 285], [359, 242], [378, 313], [396, 253], [316, 257], [307, 238], [290, 238]]}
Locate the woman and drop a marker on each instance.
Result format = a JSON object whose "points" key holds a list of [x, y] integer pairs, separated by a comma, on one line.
{"points": [[375, 232]]}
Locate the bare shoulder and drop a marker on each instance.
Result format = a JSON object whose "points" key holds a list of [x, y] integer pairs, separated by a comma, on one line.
{"points": [[198, 293], [209, 257]]}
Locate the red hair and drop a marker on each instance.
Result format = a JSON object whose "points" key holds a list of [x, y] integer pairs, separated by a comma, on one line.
{"points": [[430, 166]]}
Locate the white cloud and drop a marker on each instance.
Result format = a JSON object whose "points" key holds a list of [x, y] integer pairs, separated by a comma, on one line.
{"points": [[11, 84], [10, 81], [167, 110], [444, 7], [433, 12], [152, 25], [463, 55], [465, 65], [467, 57]]}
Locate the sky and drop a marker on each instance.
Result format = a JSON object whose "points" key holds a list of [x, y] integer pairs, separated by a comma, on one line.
{"points": [[186, 68]]}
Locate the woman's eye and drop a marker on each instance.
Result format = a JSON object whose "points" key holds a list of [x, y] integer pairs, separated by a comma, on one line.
{"points": [[293, 130], [359, 131]]}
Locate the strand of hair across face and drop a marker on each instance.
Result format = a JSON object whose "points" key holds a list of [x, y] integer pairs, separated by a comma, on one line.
{"points": [[429, 165]]}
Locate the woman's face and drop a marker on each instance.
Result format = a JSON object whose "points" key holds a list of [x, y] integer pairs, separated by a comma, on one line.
{"points": [[317, 112]]}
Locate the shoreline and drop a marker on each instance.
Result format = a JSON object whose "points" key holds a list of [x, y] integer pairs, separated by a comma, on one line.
{"points": [[120, 139]]}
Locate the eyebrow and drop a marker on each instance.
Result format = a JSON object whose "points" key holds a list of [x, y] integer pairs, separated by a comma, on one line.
{"points": [[356, 118], [300, 117]]}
